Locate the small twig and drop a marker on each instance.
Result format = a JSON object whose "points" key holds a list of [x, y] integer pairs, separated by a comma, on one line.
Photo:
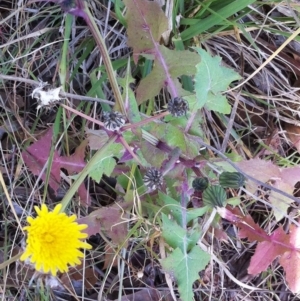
{"points": [[230, 123], [296, 200], [62, 94], [145, 121], [126, 146], [78, 113], [85, 98]]}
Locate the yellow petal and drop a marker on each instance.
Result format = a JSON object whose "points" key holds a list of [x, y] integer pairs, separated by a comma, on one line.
{"points": [[53, 240]]}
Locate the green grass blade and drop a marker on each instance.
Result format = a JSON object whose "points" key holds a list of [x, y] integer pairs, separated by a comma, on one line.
{"points": [[215, 19]]}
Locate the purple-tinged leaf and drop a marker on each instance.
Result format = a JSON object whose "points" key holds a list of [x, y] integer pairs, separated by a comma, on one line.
{"points": [[175, 137], [281, 178], [270, 246], [290, 260], [154, 156], [73, 7], [37, 154], [146, 23], [111, 220]]}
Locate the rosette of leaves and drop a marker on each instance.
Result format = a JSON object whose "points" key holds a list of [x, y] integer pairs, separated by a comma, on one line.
{"points": [[214, 196], [231, 179]]}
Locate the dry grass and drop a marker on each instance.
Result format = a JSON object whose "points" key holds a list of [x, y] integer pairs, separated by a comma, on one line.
{"points": [[262, 124]]}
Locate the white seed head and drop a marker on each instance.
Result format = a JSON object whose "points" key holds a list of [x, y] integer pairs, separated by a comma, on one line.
{"points": [[46, 97]]}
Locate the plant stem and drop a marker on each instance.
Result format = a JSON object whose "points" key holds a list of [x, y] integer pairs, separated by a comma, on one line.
{"points": [[85, 172], [105, 56]]}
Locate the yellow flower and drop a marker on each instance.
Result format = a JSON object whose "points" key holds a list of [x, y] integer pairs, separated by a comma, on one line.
{"points": [[53, 240]]}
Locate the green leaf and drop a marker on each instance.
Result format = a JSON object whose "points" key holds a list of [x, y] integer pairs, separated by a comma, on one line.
{"points": [[173, 233], [173, 207], [175, 137], [107, 163], [235, 201], [194, 213], [180, 62], [218, 103], [133, 113], [185, 268], [154, 156], [177, 237], [210, 81], [177, 63], [167, 133], [118, 9], [146, 23]]}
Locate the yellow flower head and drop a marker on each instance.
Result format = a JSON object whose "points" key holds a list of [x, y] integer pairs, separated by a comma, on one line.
{"points": [[53, 240]]}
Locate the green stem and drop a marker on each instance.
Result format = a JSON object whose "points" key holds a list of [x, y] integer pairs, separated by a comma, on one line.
{"points": [[63, 66], [85, 172], [105, 56]]}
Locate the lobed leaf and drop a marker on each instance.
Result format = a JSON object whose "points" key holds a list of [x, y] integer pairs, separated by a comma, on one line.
{"points": [[269, 247], [171, 206], [174, 235], [146, 23], [131, 106], [175, 137], [168, 65], [185, 267], [290, 260], [186, 260], [154, 156], [107, 164], [281, 178], [267, 251], [37, 154], [111, 220], [211, 80]]}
